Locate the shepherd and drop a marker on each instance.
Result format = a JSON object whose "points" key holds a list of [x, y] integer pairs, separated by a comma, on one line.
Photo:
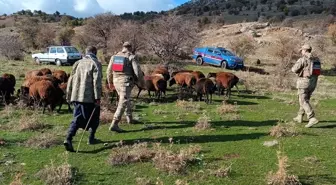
{"points": [[84, 92]]}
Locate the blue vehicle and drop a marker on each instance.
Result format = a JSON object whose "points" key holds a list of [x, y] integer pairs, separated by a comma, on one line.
{"points": [[217, 56]]}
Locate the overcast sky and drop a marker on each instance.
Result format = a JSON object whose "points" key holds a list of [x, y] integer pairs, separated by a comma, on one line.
{"points": [[84, 8]]}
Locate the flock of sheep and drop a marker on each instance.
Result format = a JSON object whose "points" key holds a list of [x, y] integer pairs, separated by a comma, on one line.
{"points": [[44, 87]]}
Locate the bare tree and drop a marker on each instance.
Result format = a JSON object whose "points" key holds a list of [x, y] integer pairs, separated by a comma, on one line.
{"points": [[11, 47], [170, 36], [132, 32], [28, 29], [45, 37], [81, 41], [102, 27], [286, 53]]}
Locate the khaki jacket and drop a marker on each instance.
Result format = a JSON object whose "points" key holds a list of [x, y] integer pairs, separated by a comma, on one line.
{"points": [[85, 82], [303, 68]]}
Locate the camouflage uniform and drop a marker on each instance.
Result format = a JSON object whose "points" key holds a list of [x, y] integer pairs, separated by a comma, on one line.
{"points": [[124, 83], [306, 85]]}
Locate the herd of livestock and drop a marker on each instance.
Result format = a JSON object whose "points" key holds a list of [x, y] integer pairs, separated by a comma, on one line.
{"points": [[44, 87]]}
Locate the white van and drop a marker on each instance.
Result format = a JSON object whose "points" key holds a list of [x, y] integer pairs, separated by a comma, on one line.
{"points": [[60, 55]]}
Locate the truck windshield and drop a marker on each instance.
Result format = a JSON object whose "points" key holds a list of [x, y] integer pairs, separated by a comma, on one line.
{"points": [[226, 52], [71, 50]]}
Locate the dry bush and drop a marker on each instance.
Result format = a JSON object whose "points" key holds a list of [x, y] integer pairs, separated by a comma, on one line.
{"points": [[288, 22], [321, 44], [222, 172], [284, 130], [285, 52], [171, 37], [243, 46], [29, 123], [106, 116], [45, 36], [332, 33], [226, 108], [188, 106], [17, 179], [312, 159], [29, 29], [181, 182], [203, 123], [65, 36], [81, 41], [132, 32], [175, 162], [159, 112], [144, 181], [57, 175], [281, 177], [11, 47], [43, 141], [130, 154]]}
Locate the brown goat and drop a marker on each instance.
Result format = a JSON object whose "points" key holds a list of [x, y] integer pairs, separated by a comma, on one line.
{"points": [[163, 71], [33, 73], [181, 71], [45, 71], [205, 87], [156, 83], [226, 81], [198, 75], [46, 93], [63, 87], [61, 75]]}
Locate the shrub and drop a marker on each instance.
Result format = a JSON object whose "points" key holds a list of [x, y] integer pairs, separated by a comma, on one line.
{"points": [[281, 177], [284, 130], [131, 154], [30, 123], [57, 175], [175, 162], [11, 47], [243, 46], [64, 37], [332, 33], [45, 36], [43, 141], [203, 123]]}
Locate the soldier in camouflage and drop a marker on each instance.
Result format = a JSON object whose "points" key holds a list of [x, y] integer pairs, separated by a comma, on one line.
{"points": [[124, 71], [84, 92], [308, 69]]}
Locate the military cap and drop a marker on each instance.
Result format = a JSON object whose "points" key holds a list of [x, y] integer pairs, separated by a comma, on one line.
{"points": [[306, 47]]}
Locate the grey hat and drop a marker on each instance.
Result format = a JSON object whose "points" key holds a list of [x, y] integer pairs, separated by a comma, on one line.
{"points": [[127, 44]]}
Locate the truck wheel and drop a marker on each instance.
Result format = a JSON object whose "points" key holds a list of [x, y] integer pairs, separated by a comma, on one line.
{"points": [[199, 61], [223, 65], [58, 62], [37, 60]]}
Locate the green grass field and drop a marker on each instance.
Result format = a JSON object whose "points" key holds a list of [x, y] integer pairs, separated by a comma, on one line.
{"points": [[236, 140]]}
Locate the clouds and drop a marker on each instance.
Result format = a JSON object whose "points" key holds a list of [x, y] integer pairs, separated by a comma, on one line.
{"points": [[84, 8]]}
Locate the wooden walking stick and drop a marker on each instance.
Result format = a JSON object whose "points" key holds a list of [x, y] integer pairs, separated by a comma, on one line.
{"points": [[87, 124]]}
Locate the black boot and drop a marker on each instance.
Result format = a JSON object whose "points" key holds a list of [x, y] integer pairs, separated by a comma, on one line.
{"points": [[68, 144], [92, 139]]}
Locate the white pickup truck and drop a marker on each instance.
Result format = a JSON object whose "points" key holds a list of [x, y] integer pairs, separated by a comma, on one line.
{"points": [[60, 55]]}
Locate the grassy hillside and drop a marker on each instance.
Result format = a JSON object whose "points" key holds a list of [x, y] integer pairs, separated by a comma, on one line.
{"points": [[235, 140]]}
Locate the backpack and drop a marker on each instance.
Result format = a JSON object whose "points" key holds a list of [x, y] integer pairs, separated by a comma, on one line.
{"points": [[316, 68], [119, 63], [313, 68]]}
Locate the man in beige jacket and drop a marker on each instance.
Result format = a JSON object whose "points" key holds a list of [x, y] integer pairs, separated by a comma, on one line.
{"points": [[84, 92]]}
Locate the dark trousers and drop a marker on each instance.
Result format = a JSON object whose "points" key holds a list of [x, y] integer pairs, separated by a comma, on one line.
{"points": [[81, 116]]}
